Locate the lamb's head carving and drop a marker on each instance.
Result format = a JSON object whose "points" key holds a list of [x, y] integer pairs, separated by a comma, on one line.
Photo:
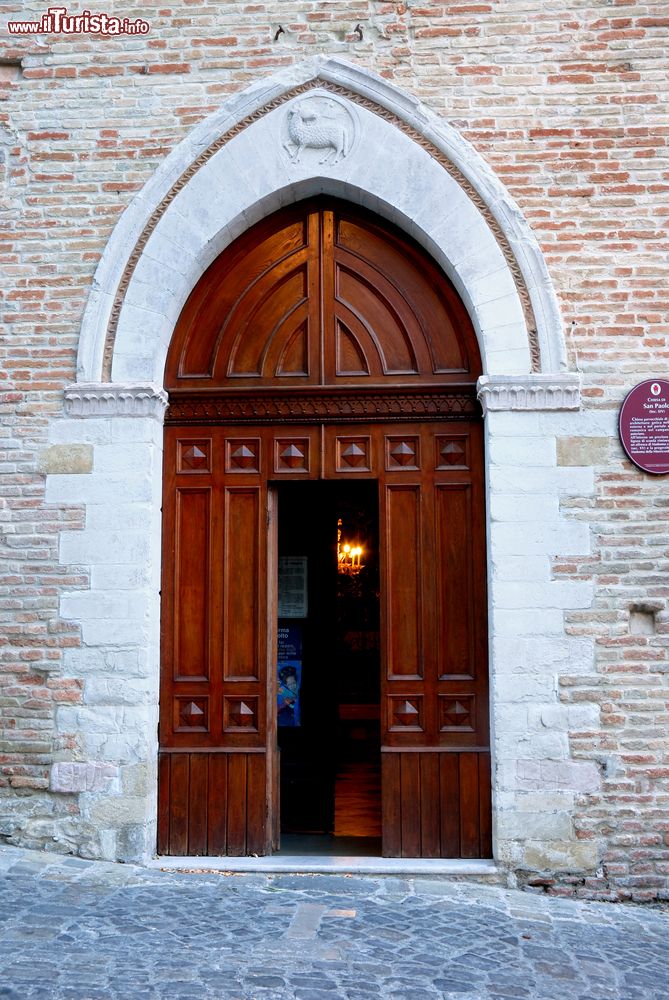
{"points": [[321, 123]]}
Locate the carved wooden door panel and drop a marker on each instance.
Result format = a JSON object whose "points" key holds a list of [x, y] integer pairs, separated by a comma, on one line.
{"points": [[434, 682], [216, 765], [436, 756]]}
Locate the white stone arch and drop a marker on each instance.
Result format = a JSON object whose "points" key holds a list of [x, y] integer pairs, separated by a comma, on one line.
{"points": [[410, 167], [405, 163]]}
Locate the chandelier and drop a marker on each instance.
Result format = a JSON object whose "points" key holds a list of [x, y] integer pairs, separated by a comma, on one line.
{"points": [[349, 557]]}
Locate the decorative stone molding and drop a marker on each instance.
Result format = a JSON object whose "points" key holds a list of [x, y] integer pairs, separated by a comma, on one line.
{"points": [[529, 392], [103, 399]]}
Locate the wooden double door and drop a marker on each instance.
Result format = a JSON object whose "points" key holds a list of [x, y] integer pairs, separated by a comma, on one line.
{"points": [[323, 346], [219, 761]]}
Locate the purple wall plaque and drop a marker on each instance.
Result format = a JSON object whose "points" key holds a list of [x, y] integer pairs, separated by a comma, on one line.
{"points": [[644, 425]]}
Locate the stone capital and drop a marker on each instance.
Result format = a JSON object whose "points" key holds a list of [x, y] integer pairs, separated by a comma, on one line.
{"points": [[530, 392], [113, 399]]}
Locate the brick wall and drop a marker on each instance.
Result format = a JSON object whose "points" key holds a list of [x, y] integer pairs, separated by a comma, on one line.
{"points": [[566, 107]]}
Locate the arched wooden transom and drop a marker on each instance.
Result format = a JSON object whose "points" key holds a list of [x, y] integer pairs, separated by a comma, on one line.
{"points": [[317, 295]]}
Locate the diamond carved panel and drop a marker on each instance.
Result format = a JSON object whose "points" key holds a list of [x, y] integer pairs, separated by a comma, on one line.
{"points": [[402, 453], [291, 455], [456, 713], [405, 713], [242, 455], [353, 454], [191, 715], [452, 451], [194, 456], [240, 715]]}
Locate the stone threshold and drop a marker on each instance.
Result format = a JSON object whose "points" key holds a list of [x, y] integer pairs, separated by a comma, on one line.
{"points": [[313, 864]]}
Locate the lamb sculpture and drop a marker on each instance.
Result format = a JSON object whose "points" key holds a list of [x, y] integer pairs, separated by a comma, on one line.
{"points": [[310, 128]]}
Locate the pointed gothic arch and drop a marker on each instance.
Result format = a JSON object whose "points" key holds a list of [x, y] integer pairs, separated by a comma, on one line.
{"points": [[401, 161]]}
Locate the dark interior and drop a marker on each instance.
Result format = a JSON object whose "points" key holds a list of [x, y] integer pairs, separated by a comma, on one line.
{"points": [[329, 668]]}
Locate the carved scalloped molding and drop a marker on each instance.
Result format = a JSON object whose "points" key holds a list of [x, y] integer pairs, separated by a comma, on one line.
{"points": [[104, 399], [529, 392]]}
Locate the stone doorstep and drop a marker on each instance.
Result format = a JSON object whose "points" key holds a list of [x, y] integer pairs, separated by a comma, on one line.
{"points": [[314, 864]]}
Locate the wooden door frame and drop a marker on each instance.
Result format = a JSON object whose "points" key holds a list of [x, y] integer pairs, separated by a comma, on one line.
{"points": [[317, 322], [457, 407]]}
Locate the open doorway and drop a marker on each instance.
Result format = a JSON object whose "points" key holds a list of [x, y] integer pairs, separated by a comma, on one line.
{"points": [[329, 668]]}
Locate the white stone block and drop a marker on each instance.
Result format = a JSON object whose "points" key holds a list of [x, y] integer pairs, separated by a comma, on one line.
{"points": [[516, 689], [130, 747], [541, 801], [576, 481], [535, 826], [123, 576], [584, 718], [103, 690], [212, 213], [524, 507], [126, 368], [121, 810], [469, 241], [545, 744], [92, 430], [587, 423], [117, 516], [113, 632], [99, 488], [74, 776], [104, 718], [82, 661], [175, 232], [562, 594], [154, 283], [499, 337], [86, 547], [510, 567], [533, 621], [487, 287], [575, 776], [547, 717], [138, 429], [539, 654], [175, 255], [150, 325], [272, 169], [123, 457], [519, 451], [91, 605], [510, 719], [509, 361], [566, 538], [515, 423]]}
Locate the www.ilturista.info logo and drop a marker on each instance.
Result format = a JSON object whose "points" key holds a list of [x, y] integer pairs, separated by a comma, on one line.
{"points": [[57, 21]]}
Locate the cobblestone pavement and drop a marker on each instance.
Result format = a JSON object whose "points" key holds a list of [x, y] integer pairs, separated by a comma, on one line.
{"points": [[86, 930]]}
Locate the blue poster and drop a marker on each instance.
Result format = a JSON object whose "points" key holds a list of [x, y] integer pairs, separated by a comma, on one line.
{"points": [[289, 674]]}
